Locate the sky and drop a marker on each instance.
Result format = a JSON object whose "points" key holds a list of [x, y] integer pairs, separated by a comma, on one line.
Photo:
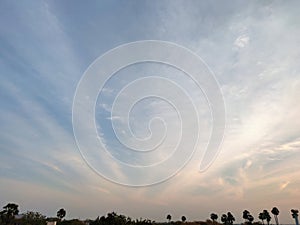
{"points": [[251, 49]]}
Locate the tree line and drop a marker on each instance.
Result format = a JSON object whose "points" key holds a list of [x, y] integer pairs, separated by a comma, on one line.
{"points": [[10, 216], [229, 219]]}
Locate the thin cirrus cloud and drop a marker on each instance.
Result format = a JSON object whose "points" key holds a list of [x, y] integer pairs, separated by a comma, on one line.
{"points": [[252, 49]]}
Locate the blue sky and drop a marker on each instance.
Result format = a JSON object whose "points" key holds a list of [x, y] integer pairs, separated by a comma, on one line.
{"points": [[252, 48]]}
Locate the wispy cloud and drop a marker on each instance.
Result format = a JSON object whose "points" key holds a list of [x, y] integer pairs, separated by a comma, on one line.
{"points": [[251, 47]]}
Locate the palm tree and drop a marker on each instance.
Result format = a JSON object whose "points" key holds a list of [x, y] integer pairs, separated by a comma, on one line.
{"points": [[295, 215], [267, 216], [262, 217], [61, 213], [230, 218], [275, 212], [246, 213], [224, 219], [213, 217], [183, 218], [169, 217], [250, 218]]}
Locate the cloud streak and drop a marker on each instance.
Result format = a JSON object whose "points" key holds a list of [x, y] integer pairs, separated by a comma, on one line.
{"points": [[251, 47]]}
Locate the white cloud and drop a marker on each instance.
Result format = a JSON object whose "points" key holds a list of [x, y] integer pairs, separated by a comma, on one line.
{"points": [[284, 185], [242, 41]]}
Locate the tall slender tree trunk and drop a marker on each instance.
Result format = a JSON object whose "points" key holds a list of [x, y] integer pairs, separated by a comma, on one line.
{"points": [[296, 220], [276, 219]]}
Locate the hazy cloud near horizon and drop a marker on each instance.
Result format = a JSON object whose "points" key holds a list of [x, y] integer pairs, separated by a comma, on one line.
{"points": [[252, 48]]}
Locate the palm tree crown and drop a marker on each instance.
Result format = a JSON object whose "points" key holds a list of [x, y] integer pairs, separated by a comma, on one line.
{"points": [[275, 212], [262, 217], [230, 218], [224, 218], [61, 213], [295, 215], [267, 215], [213, 217], [169, 217], [245, 214], [248, 216]]}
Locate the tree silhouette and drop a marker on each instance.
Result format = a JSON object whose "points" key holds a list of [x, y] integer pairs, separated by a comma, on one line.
{"points": [[9, 212], [246, 213], [267, 216], [247, 216], [250, 218], [213, 217], [262, 217], [11, 209], [32, 218], [61, 213], [230, 218], [275, 212], [115, 219], [224, 219], [7, 217], [295, 215], [169, 217]]}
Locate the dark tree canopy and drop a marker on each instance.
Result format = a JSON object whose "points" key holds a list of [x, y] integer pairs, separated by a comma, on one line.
{"points": [[213, 217], [267, 216], [61, 213], [224, 219], [247, 216], [115, 219], [11, 209], [250, 218], [169, 217], [262, 217], [8, 213], [294, 213], [230, 218], [32, 218], [275, 211]]}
